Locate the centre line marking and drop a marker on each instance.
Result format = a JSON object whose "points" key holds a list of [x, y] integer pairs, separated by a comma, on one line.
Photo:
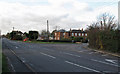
{"points": [[16, 47], [71, 54], [82, 66], [48, 55]]}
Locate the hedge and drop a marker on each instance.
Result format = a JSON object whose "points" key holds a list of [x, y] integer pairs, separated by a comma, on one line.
{"points": [[105, 40]]}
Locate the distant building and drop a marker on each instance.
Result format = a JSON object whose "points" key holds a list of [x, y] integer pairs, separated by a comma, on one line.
{"points": [[67, 34], [42, 37], [17, 33]]}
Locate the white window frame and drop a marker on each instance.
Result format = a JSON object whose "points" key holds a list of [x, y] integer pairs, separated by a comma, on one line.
{"points": [[63, 34], [55, 38], [55, 34], [72, 34], [75, 34], [82, 34], [79, 34]]}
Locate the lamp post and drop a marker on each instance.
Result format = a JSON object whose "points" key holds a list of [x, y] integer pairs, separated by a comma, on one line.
{"points": [[47, 30]]}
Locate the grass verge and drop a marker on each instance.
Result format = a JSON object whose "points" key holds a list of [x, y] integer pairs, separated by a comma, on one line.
{"points": [[34, 41], [4, 64], [49, 42]]}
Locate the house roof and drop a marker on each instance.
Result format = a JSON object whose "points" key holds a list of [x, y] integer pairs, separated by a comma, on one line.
{"points": [[73, 31], [61, 30], [78, 31]]}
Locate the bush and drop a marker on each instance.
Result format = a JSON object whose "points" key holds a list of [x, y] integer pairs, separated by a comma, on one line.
{"points": [[17, 37], [78, 39], [85, 40], [105, 40], [103, 35], [66, 39], [33, 35]]}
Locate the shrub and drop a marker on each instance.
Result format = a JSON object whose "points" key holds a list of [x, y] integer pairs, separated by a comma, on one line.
{"points": [[17, 37], [78, 39], [105, 40], [66, 39], [33, 35], [85, 40]]}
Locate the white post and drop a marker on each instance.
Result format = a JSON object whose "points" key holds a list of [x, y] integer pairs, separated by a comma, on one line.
{"points": [[119, 15]]}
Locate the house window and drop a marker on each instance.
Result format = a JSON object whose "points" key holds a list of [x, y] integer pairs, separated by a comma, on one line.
{"points": [[75, 34], [63, 34], [86, 34], [55, 34], [79, 34], [72, 34], [58, 38], [55, 38], [82, 34]]}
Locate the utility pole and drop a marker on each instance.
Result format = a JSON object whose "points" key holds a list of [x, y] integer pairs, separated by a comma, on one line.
{"points": [[48, 30], [119, 15], [13, 28]]}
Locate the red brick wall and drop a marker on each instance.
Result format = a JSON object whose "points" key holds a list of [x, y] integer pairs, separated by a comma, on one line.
{"points": [[58, 35]]}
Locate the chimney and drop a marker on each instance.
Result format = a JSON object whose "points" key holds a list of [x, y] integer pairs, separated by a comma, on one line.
{"points": [[70, 30], [101, 25], [82, 29]]}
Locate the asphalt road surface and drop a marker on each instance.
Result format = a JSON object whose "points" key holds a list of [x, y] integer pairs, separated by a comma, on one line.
{"points": [[35, 57]]}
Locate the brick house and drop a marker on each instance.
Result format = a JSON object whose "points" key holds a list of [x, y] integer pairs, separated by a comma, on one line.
{"points": [[67, 34]]}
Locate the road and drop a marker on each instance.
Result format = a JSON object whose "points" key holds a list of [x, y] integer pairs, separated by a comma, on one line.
{"points": [[35, 57]]}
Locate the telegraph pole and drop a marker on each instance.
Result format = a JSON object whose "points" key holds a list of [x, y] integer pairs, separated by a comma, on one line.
{"points": [[48, 30], [119, 15], [13, 28]]}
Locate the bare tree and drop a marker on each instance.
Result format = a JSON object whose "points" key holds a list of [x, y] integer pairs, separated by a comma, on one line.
{"points": [[56, 27], [44, 32], [102, 33], [106, 22]]}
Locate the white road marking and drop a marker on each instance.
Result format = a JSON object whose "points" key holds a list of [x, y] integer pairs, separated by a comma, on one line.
{"points": [[31, 64], [48, 55], [91, 53], [23, 59], [11, 64], [71, 54], [105, 63], [83, 51], [82, 66], [16, 47], [12, 67], [112, 61]]}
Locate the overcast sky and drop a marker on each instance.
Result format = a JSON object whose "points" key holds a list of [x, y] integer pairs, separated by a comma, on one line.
{"points": [[28, 15]]}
